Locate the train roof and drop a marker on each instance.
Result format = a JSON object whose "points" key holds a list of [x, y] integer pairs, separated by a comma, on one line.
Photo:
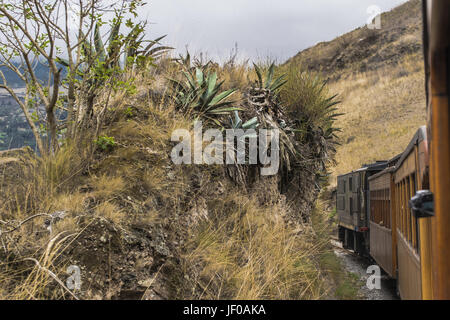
{"points": [[385, 171], [376, 166], [391, 167]]}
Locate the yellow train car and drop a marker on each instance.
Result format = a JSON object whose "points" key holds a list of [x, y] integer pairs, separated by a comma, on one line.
{"points": [[399, 241], [409, 177], [409, 201], [383, 244]]}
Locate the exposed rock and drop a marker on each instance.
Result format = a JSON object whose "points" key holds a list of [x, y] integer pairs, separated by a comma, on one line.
{"points": [[116, 263]]}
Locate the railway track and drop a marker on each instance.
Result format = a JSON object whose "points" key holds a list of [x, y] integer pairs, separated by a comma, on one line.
{"points": [[358, 265]]}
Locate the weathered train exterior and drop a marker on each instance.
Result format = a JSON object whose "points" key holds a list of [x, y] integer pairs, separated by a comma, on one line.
{"points": [[436, 262], [382, 224], [410, 176], [378, 219], [407, 201], [352, 206]]}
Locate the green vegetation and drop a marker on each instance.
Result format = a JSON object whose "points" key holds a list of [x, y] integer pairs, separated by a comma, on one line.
{"points": [[105, 143], [199, 96], [347, 283], [234, 233]]}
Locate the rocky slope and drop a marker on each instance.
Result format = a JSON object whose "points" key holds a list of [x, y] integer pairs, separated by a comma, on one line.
{"points": [[364, 50]]}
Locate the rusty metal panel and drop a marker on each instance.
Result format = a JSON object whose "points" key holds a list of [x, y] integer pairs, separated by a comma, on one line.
{"points": [[381, 247], [409, 274]]}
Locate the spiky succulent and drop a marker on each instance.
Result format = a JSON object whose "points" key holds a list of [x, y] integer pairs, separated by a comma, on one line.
{"points": [[236, 122], [269, 83], [199, 96], [190, 64], [130, 47]]}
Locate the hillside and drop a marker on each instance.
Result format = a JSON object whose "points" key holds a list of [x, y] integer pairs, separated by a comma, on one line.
{"points": [[107, 198], [363, 49], [115, 206], [379, 77]]}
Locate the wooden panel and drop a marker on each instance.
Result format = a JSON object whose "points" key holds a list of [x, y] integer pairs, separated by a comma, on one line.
{"points": [[425, 257], [409, 276], [394, 223], [407, 167], [381, 247], [437, 43], [380, 182]]}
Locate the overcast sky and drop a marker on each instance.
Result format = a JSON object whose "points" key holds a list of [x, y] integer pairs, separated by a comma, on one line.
{"points": [[261, 28]]}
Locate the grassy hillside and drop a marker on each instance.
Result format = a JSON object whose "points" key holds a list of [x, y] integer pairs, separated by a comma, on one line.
{"points": [[139, 226], [380, 79]]}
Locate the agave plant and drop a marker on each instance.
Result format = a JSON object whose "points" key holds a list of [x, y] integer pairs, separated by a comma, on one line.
{"points": [[236, 122], [199, 96], [270, 83], [130, 46], [190, 65]]}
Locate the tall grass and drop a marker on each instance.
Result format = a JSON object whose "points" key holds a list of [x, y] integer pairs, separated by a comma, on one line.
{"points": [[246, 251]]}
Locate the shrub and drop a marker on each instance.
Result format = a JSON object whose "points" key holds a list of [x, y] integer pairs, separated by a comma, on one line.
{"points": [[105, 142]]}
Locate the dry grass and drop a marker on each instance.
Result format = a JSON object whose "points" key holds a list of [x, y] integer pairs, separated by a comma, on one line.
{"points": [[383, 109], [111, 212], [237, 247], [106, 186], [245, 251]]}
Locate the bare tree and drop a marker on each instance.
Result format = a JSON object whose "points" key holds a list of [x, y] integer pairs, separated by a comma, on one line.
{"points": [[58, 34]]}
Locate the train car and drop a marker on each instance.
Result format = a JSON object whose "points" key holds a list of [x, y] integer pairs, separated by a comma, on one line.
{"points": [[435, 220], [352, 207], [382, 222], [408, 204], [410, 176]]}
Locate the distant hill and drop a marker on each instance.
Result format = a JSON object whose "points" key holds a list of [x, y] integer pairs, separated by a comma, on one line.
{"points": [[380, 78], [41, 72], [14, 129], [364, 49]]}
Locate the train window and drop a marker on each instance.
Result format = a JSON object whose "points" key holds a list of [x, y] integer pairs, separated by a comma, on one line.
{"points": [[344, 185], [397, 206], [415, 237], [388, 209], [399, 210], [409, 193], [341, 203], [402, 199], [350, 184], [351, 205], [405, 208], [400, 219]]}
